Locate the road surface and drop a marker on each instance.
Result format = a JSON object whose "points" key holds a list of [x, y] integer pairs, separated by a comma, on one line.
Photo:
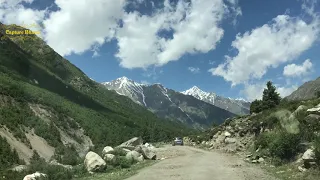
{"points": [[188, 163]]}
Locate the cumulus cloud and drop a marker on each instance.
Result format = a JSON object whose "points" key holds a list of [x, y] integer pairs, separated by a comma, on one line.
{"points": [[294, 70], [81, 24], [13, 12], [195, 27], [194, 70], [268, 46]]}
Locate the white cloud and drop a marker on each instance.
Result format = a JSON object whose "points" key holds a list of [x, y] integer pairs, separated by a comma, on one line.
{"points": [[12, 12], [194, 69], [195, 26], [81, 24], [270, 45], [294, 70], [254, 91]]}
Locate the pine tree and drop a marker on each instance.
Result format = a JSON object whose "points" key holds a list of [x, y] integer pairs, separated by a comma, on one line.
{"points": [[270, 97]]}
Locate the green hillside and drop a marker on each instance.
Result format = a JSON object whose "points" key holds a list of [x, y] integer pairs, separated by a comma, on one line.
{"points": [[32, 73]]}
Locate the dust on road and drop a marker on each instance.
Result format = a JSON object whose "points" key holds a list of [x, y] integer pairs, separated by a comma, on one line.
{"points": [[187, 163]]}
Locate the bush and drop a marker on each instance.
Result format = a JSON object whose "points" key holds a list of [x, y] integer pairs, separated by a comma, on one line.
{"points": [[118, 152], [67, 155], [318, 94], [285, 145], [317, 149], [122, 162]]}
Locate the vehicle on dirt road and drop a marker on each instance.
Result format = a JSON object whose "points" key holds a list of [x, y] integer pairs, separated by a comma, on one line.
{"points": [[177, 141]]}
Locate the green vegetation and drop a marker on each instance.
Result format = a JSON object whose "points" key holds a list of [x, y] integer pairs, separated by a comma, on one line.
{"points": [[31, 73], [318, 94], [270, 99], [8, 157]]}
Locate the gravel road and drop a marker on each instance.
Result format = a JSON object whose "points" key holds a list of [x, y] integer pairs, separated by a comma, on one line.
{"points": [[188, 163]]}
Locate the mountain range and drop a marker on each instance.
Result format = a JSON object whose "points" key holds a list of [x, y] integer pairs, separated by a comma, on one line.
{"points": [[308, 90], [193, 107]]}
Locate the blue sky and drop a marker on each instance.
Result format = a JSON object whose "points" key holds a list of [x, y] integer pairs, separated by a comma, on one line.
{"points": [[229, 47]]}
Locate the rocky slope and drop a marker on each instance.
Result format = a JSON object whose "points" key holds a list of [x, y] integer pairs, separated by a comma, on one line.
{"points": [[236, 106], [308, 90], [170, 104], [286, 136]]}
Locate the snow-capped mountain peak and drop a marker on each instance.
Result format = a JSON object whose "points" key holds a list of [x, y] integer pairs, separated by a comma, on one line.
{"points": [[237, 106], [199, 94]]}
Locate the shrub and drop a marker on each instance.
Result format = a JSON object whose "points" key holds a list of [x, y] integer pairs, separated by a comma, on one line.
{"points": [[118, 152], [317, 149], [285, 145], [318, 94]]}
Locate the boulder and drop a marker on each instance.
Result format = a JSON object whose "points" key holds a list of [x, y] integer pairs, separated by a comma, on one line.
{"points": [[260, 160], [107, 150], [109, 158], [313, 119], [230, 140], [93, 162], [34, 176], [148, 153], [300, 109], [227, 134], [309, 156], [134, 155], [56, 163], [315, 109], [130, 144]]}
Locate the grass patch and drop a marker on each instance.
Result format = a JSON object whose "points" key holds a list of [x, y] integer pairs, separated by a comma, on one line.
{"points": [[117, 173]]}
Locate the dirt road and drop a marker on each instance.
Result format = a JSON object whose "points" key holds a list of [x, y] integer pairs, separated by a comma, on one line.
{"points": [[187, 163]]}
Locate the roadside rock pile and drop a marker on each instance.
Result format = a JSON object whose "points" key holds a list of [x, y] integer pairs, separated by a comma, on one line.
{"points": [[133, 150], [234, 135]]}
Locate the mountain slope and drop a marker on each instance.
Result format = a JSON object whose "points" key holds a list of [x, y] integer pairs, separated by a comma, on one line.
{"points": [[45, 99], [170, 104], [236, 106], [307, 91]]}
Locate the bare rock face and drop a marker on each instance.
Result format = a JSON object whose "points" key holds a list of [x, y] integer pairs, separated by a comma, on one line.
{"points": [[93, 162]]}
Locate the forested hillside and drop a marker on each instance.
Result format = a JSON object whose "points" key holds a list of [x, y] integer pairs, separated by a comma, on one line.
{"points": [[42, 94]]}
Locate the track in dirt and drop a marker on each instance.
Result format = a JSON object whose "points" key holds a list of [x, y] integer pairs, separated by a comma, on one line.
{"points": [[187, 163]]}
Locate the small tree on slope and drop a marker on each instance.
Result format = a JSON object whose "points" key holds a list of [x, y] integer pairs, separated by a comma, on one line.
{"points": [[270, 98]]}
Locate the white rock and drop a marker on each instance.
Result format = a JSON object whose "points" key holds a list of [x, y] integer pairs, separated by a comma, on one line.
{"points": [[260, 160], [230, 140], [315, 109], [110, 158], [227, 134], [107, 150], [93, 162], [34, 176], [309, 155], [134, 155], [302, 169]]}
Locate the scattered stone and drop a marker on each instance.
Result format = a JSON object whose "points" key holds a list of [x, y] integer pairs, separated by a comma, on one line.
{"points": [[109, 158], [227, 134], [280, 172], [34, 176], [132, 143], [249, 155], [315, 109], [309, 155], [134, 155], [254, 161], [302, 169], [56, 163], [260, 160], [93, 162], [107, 150], [230, 140], [148, 153]]}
